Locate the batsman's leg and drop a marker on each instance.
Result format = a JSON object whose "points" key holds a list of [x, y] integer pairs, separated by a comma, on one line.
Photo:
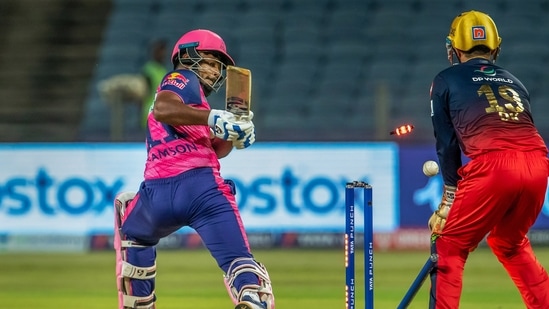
{"points": [[221, 229], [258, 296], [135, 263]]}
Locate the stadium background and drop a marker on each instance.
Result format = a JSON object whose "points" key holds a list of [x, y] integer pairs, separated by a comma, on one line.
{"points": [[325, 71]]}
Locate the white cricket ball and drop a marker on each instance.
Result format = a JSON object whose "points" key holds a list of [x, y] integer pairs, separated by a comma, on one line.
{"points": [[430, 168]]}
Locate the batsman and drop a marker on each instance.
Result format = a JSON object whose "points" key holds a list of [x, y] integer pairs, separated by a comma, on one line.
{"points": [[182, 183], [482, 111]]}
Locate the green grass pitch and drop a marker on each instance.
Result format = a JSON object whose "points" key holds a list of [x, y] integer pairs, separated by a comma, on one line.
{"points": [[191, 279]]}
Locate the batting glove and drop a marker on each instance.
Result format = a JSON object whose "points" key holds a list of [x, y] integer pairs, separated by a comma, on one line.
{"points": [[225, 125], [438, 218], [247, 140]]}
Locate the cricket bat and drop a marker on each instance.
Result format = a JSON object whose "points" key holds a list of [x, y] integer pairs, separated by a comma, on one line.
{"points": [[238, 91]]}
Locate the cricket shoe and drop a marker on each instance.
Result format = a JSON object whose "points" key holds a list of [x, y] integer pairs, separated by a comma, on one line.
{"points": [[250, 301]]}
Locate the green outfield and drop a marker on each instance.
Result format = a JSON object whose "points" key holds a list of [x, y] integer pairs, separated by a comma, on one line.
{"points": [[190, 279]]}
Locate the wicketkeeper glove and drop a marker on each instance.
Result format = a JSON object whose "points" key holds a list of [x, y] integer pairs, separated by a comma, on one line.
{"points": [[225, 125], [438, 218]]}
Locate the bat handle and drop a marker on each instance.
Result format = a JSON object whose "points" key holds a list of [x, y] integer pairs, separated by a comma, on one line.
{"points": [[418, 282]]}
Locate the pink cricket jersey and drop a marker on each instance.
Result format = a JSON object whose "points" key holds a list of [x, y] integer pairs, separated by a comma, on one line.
{"points": [[172, 150]]}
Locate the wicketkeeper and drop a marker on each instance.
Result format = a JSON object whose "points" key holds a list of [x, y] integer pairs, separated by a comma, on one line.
{"points": [[182, 184], [483, 111]]}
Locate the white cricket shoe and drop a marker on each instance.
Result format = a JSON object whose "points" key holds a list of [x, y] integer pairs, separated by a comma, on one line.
{"points": [[250, 300]]}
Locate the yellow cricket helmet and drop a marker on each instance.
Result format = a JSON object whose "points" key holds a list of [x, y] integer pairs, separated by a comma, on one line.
{"points": [[473, 28]]}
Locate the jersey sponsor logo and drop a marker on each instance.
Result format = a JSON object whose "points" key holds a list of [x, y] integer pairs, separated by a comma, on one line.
{"points": [[486, 70], [479, 33], [492, 79], [175, 79], [177, 75]]}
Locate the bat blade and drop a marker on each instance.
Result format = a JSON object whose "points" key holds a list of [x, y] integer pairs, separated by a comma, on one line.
{"points": [[238, 97]]}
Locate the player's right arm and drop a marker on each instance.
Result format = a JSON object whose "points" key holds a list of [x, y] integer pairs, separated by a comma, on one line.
{"points": [[180, 102], [170, 109], [448, 151], [447, 143]]}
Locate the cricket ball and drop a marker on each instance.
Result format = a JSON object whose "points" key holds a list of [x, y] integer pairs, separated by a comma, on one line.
{"points": [[430, 168]]}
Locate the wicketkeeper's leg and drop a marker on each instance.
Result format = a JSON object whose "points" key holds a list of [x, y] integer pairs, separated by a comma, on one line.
{"points": [[524, 269], [135, 263]]}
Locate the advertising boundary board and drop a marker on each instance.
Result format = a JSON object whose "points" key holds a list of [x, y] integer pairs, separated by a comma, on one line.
{"points": [[59, 196], [68, 189]]}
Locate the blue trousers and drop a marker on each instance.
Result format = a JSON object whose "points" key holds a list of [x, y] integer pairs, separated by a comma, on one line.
{"points": [[199, 199]]}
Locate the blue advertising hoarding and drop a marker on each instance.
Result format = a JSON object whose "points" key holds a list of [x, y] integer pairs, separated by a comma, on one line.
{"points": [[420, 195], [68, 189], [282, 187]]}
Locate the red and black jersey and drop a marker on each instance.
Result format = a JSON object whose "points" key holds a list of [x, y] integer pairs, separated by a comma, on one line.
{"points": [[476, 108]]}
